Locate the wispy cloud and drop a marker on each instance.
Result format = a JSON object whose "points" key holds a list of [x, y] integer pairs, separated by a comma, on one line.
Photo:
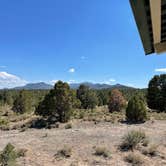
{"points": [[83, 57], [71, 81], [52, 82], [112, 80], [161, 70], [3, 66], [8, 80], [71, 70]]}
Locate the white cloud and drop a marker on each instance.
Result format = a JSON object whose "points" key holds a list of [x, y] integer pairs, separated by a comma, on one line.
{"points": [[55, 81], [112, 80], [160, 70], [71, 81], [52, 82], [71, 70], [9, 80]]}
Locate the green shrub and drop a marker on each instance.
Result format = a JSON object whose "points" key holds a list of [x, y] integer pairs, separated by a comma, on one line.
{"points": [[136, 110], [8, 156], [3, 122], [134, 159], [68, 126], [23, 103], [102, 151], [81, 115], [132, 139]]}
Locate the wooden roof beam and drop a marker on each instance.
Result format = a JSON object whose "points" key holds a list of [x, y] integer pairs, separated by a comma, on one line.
{"points": [[139, 11], [155, 8], [160, 47]]}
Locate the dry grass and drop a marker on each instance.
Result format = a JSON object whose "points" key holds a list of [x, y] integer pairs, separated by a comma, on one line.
{"points": [[157, 116], [66, 152], [68, 126], [99, 114], [151, 150], [134, 159], [132, 139], [102, 151], [82, 138], [85, 135]]}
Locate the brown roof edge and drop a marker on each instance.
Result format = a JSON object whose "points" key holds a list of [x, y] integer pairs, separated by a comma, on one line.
{"points": [[140, 15]]}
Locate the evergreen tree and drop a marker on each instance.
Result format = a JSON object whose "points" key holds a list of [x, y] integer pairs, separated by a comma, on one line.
{"points": [[136, 110], [154, 93], [75, 101], [116, 101], [22, 103], [87, 97], [162, 94], [57, 103], [102, 97]]}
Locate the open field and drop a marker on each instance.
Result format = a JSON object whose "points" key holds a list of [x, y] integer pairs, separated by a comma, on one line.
{"points": [[91, 138], [82, 138]]}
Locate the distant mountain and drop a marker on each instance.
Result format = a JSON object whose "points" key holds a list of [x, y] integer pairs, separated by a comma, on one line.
{"points": [[42, 85], [36, 86], [99, 86]]}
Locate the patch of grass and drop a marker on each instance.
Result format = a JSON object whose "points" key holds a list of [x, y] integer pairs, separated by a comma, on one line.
{"points": [[66, 152], [150, 151], [157, 115], [3, 122], [68, 126], [132, 139], [4, 110], [22, 152], [101, 114], [102, 151], [134, 159], [17, 117], [8, 156], [81, 115]]}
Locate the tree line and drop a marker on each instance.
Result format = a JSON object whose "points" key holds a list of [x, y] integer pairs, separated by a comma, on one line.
{"points": [[61, 100]]}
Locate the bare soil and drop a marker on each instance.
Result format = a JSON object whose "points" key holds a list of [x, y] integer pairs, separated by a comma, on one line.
{"points": [[82, 138]]}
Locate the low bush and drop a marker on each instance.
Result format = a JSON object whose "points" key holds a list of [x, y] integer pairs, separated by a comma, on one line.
{"points": [[3, 122], [134, 159], [8, 156], [102, 151], [150, 151], [132, 139], [136, 110], [68, 126], [66, 152]]}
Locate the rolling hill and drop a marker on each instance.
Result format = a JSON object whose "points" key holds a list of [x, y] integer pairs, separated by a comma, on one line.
{"points": [[45, 86]]}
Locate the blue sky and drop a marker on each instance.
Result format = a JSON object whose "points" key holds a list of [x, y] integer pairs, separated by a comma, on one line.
{"points": [[74, 41]]}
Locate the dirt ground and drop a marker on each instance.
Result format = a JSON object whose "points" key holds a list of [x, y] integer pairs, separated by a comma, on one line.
{"points": [[82, 138]]}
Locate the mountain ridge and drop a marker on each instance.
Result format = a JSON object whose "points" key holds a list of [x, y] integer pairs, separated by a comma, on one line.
{"points": [[46, 86]]}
